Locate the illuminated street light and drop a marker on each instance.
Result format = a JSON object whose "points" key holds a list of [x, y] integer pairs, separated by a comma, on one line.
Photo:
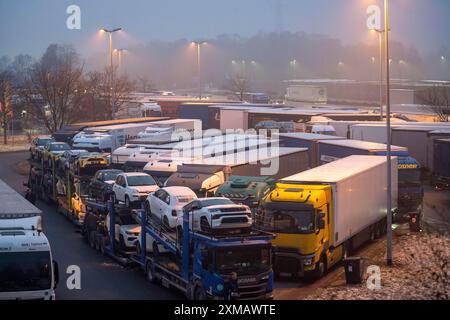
{"points": [[111, 43], [198, 44], [111, 63], [380, 48]]}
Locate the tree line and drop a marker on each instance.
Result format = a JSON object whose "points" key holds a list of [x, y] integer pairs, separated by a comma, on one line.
{"points": [[56, 90]]}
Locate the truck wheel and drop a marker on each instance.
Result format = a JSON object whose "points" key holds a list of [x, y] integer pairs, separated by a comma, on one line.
{"points": [[149, 272], [321, 268], [127, 202]]}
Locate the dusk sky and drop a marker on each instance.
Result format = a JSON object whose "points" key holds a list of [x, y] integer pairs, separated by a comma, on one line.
{"points": [[30, 26]]}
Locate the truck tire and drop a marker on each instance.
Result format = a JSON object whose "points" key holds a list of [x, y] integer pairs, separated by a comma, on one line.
{"points": [[149, 272], [127, 201], [319, 271]]}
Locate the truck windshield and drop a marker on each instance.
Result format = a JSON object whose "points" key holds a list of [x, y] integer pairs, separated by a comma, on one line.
{"points": [[242, 260], [284, 221], [409, 177], [25, 271]]}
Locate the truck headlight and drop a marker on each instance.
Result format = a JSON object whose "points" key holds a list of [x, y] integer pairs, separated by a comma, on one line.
{"points": [[308, 261]]}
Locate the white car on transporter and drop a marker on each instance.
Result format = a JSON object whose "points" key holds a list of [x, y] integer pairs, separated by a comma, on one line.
{"points": [[167, 204], [133, 187], [218, 213]]}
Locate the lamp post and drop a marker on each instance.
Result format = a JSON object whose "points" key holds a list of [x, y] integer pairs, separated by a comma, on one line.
{"points": [[198, 44], [380, 47], [388, 129], [111, 66]]}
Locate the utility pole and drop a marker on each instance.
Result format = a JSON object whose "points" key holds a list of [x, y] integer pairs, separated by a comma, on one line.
{"points": [[388, 128], [111, 66]]}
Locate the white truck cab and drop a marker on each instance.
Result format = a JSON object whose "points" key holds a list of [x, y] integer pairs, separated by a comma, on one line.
{"points": [[27, 268]]}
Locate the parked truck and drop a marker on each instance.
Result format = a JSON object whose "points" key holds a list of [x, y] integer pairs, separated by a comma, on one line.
{"points": [[305, 140], [206, 176], [68, 188], [323, 214], [410, 190], [107, 138], [67, 132], [27, 268], [199, 265], [441, 167], [161, 130]]}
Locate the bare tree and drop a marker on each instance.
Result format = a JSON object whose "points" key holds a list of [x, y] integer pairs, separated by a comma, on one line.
{"points": [[120, 89], [101, 99], [53, 88], [437, 100], [239, 85], [5, 103]]}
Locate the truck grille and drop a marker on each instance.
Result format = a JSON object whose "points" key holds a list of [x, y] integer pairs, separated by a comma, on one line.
{"points": [[249, 289], [287, 265]]}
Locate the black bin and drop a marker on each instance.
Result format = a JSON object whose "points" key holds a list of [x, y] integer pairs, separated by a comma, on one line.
{"points": [[353, 270], [414, 222]]}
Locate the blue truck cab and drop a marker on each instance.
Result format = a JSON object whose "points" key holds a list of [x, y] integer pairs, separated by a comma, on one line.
{"points": [[231, 266]]}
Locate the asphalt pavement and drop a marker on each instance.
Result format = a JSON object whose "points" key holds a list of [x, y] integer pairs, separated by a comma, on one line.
{"points": [[101, 277]]}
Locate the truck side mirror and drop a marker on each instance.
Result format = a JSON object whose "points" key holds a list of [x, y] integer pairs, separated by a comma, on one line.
{"points": [[321, 221], [321, 224], [55, 274]]}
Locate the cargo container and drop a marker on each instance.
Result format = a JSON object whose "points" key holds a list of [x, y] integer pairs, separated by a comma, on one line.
{"points": [[441, 167], [306, 93], [67, 132], [416, 139], [204, 177], [432, 137], [410, 188], [305, 140], [322, 214]]}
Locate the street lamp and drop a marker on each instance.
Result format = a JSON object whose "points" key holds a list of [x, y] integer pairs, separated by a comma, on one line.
{"points": [[199, 44], [111, 63], [388, 131], [380, 47], [110, 43]]}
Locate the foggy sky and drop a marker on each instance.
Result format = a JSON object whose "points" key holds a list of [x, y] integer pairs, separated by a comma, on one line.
{"points": [[30, 26]]}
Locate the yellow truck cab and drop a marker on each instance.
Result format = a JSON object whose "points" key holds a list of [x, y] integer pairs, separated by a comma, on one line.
{"points": [[319, 215], [300, 215]]}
